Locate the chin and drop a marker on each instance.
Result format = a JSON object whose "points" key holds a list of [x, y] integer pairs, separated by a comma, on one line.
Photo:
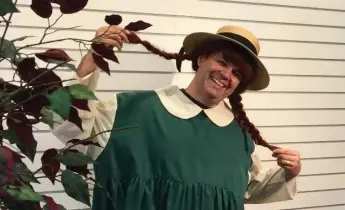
{"points": [[214, 93]]}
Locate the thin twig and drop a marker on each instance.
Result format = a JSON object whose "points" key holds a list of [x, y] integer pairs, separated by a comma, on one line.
{"points": [[38, 94], [6, 27], [62, 29], [33, 80], [118, 129], [49, 26], [52, 41]]}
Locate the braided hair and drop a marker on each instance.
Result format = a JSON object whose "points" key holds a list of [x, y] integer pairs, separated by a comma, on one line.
{"points": [[235, 99]]}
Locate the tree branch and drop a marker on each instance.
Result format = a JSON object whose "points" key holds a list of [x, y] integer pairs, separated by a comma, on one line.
{"points": [[49, 26], [6, 27], [81, 142], [62, 29], [29, 83]]}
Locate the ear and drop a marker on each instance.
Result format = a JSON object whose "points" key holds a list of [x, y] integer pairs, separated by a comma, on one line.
{"points": [[200, 60]]}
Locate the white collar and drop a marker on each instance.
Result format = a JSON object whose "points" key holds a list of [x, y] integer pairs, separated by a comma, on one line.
{"points": [[181, 106]]}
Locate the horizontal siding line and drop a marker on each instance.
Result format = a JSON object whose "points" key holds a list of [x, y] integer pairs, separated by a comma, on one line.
{"points": [[302, 158], [322, 174], [302, 175], [148, 52], [306, 191], [304, 59], [308, 92], [255, 92], [294, 109], [314, 207], [323, 158], [289, 126], [258, 92], [309, 142], [207, 18], [192, 72], [325, 190], [279, 5], [285, 143], [182, 34], [280, 126]]}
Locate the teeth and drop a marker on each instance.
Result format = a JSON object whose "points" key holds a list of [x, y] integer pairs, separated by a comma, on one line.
{"points": [[219, 83]]}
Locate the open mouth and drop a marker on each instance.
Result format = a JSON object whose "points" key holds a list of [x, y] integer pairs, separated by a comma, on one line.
{"points": [[218, 82]]}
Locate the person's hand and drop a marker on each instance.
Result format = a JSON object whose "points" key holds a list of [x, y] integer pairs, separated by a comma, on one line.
{"points": [[288, 159], [113, 36]]}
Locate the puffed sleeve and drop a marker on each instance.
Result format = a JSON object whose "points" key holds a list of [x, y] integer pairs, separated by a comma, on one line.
{"points": [[267, 185], [100, 118]]}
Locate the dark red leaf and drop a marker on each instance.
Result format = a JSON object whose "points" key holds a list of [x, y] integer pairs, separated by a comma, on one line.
{"points": [[82, 170], [34, 106], [137, 26], [20, 124], [6, 155], [42, 8], [113, 19], [51, 203], [81, 104], [83, 142], [101, 63], [133, 38], [50, 166], [47, 82], [53, 54], [26, 69], [74, 118], [104, 51], [69, 7]]}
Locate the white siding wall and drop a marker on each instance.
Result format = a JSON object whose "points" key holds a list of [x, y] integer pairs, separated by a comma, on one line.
{"points": [[303, 46]]}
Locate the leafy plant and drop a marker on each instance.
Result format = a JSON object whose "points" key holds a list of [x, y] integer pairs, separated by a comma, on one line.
{"points": [[33, 96]]}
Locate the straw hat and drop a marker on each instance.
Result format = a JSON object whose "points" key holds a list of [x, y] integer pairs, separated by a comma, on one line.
{"points": [[241, 37]]}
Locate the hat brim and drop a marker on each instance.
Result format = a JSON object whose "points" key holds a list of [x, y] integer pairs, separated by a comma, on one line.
{"points": [[261, 80]]}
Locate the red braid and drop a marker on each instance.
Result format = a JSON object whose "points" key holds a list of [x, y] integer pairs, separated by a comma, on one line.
{"points": [[235, 98], [241, 117]]}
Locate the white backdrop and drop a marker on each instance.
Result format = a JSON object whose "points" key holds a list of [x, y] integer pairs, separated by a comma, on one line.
{"points": [[303, 46]]}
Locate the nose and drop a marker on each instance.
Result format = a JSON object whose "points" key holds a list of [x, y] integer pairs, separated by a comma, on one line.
{"points": [[226, 73]]}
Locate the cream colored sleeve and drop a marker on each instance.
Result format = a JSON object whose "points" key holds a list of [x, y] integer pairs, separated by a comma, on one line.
{"points": [[100, 118], [267, 185]]}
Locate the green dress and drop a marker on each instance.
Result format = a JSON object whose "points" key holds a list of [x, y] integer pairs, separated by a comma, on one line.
{"points": [[168, 163]]}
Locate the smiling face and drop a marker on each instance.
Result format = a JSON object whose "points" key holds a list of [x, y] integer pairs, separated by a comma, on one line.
{"points": [[219, 74]]}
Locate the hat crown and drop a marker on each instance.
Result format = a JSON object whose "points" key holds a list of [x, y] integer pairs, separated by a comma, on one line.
{"points": [[239, 31]]}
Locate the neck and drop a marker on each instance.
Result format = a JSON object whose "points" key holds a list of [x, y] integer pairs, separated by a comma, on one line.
{"points": [[200, 96]]}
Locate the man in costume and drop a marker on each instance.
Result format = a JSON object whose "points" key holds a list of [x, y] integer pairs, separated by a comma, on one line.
{"points": [[191, 148]]}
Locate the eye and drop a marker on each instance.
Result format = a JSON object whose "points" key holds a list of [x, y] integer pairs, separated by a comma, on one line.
{"points": [[237, 74], [222, 63]]}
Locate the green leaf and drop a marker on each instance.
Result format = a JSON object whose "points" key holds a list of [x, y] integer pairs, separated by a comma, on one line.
{"points": [[7, 6], [24, 193], [75, 186], [22, 38], [48, 117], [79, 91], [46, 207], [70, 158], [11, 136], [61, 101], [25, 173], [8, 49]]}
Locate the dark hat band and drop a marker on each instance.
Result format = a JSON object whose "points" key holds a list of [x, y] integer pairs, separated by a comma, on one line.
{"points": [[240, 39]]}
